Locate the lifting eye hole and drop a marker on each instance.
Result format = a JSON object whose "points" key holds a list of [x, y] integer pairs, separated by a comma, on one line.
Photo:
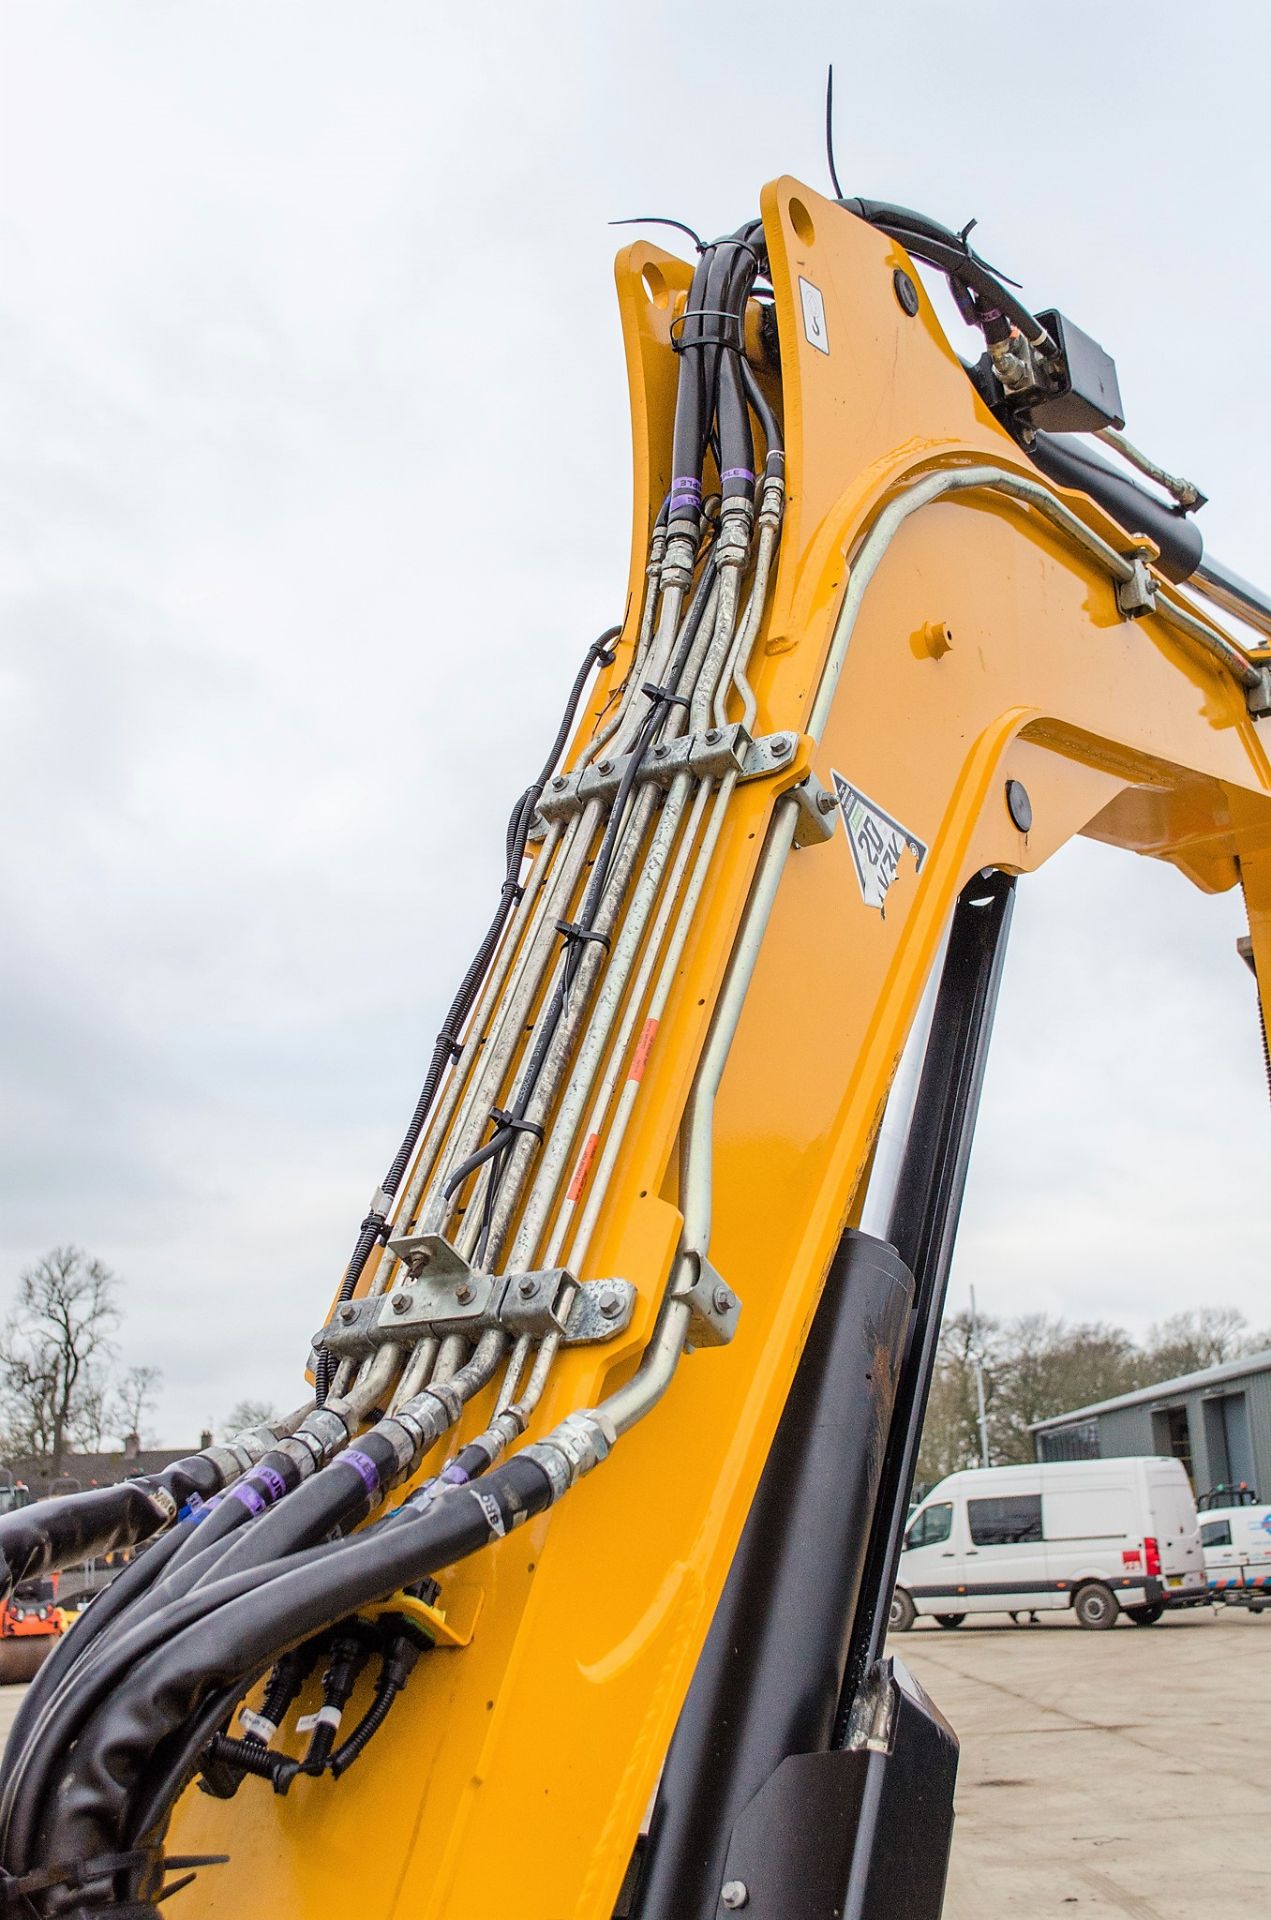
{"points": [[654, 284], [801, 221]]}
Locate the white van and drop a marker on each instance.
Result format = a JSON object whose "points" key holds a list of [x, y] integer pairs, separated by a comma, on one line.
{"points": [[1237, 1546], [1100, 1536]]}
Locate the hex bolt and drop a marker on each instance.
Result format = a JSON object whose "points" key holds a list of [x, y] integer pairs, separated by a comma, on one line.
{"points": [[606, 766], [610, 1303], [825, 802], [1018, 805], [712, 736], [734, 1894], [780, 746], [417, 1261], [348, 1313], [661, 750], [527, 1286], [559, 781], [463, 1293], [401, 1302], [722, 1299]]}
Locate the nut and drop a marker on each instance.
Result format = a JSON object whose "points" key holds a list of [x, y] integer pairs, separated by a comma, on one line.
{"points": [[527, 1286], [401, 1302], [780, 744], [826, 802], [712, 736], [610, 1303], [560, 782], [463, 1293], [721, 1299], [348, 1313]]}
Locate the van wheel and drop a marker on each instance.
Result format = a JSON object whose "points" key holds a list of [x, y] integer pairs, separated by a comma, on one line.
{"points": [[1146, 1616], [903, 1612], [950, 1619], [1095, 1607]]}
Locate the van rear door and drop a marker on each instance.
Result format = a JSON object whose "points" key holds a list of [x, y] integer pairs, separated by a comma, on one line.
{"points": [[1174, 1524]]}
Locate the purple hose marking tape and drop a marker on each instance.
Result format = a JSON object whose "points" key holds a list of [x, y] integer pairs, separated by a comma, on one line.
{"points": [[736, 473], [683, 503], [685, 483], [455, 1476], [274, 1484], [366, 1469], [248, 1497]]}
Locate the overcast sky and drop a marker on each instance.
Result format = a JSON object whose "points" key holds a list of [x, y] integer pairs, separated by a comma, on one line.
{"points": [[316, 486]]}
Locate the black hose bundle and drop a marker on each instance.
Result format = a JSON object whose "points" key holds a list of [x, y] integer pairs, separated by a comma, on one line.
{"points": [[140, 1728]]}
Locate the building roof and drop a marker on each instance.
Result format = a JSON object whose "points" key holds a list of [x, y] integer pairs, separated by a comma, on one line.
{"points": [[1185, 1383], [95, 1469]]}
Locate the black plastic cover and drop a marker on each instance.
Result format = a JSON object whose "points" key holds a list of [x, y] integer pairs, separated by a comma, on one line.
{"points": [[1087, 395]]}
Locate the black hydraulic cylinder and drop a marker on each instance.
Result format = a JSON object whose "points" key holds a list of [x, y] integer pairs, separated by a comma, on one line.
{"points": [[770, 1676], [924, 1221]]}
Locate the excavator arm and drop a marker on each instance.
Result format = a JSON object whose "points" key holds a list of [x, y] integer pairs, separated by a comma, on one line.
{"points": [[615, 1414]]}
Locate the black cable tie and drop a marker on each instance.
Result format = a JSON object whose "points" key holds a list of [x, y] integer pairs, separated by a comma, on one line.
{"points": [[513, 890], [571, 930], [453, 1047], [375, 1223], [502, 1118], [655, 693], [722, 339], [604, 656]]}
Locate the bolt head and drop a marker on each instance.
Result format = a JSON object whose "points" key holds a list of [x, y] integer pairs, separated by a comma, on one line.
{"points": [[527, 1286], [722, 1299], [826, 802], [417, 1261], [1018, 805], [559, 781], [606, 766], [713, 736], [401, 1302], [734, 1894], [463, 1293], [780, 748], [348, 1313], [610, 1303], [661, 750]]}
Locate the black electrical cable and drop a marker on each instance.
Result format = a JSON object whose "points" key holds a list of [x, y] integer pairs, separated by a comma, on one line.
{"points": [[374, 1226], [829, 132], [948, 251]]}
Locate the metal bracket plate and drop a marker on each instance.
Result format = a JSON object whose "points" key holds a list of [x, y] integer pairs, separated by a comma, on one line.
{"points": [[716, 1308], [707, 756], [449, 1296]]}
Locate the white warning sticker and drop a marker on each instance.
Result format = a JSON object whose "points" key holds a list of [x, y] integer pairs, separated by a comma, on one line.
{"points": [[877, 842], [814, 315]]}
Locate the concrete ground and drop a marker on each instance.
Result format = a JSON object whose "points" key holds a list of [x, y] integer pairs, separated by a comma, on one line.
{"points": [[1124, 1773], [1119, 1773]]}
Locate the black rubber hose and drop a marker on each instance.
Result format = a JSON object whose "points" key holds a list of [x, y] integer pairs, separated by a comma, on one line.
{"points": [[245, 1634], [76, 1527], [70, 1649], [28, 1782], [929, 240], [692, 420], [774, 441]]}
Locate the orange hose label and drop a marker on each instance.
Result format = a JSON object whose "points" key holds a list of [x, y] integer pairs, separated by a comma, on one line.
{"points": [[642, 1049], [583, 1168]]}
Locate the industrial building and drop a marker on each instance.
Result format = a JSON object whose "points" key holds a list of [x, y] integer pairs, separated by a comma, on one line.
{"points": [[1217, 1422]]}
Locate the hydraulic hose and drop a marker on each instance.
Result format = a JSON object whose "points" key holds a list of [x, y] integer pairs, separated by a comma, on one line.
{"points": [[244, 1634]]}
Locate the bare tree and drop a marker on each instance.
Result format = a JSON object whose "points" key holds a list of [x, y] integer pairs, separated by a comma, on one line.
{"points": [[53, 1355], [248, 1413], [135, 1396], [1201, 1337]]}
